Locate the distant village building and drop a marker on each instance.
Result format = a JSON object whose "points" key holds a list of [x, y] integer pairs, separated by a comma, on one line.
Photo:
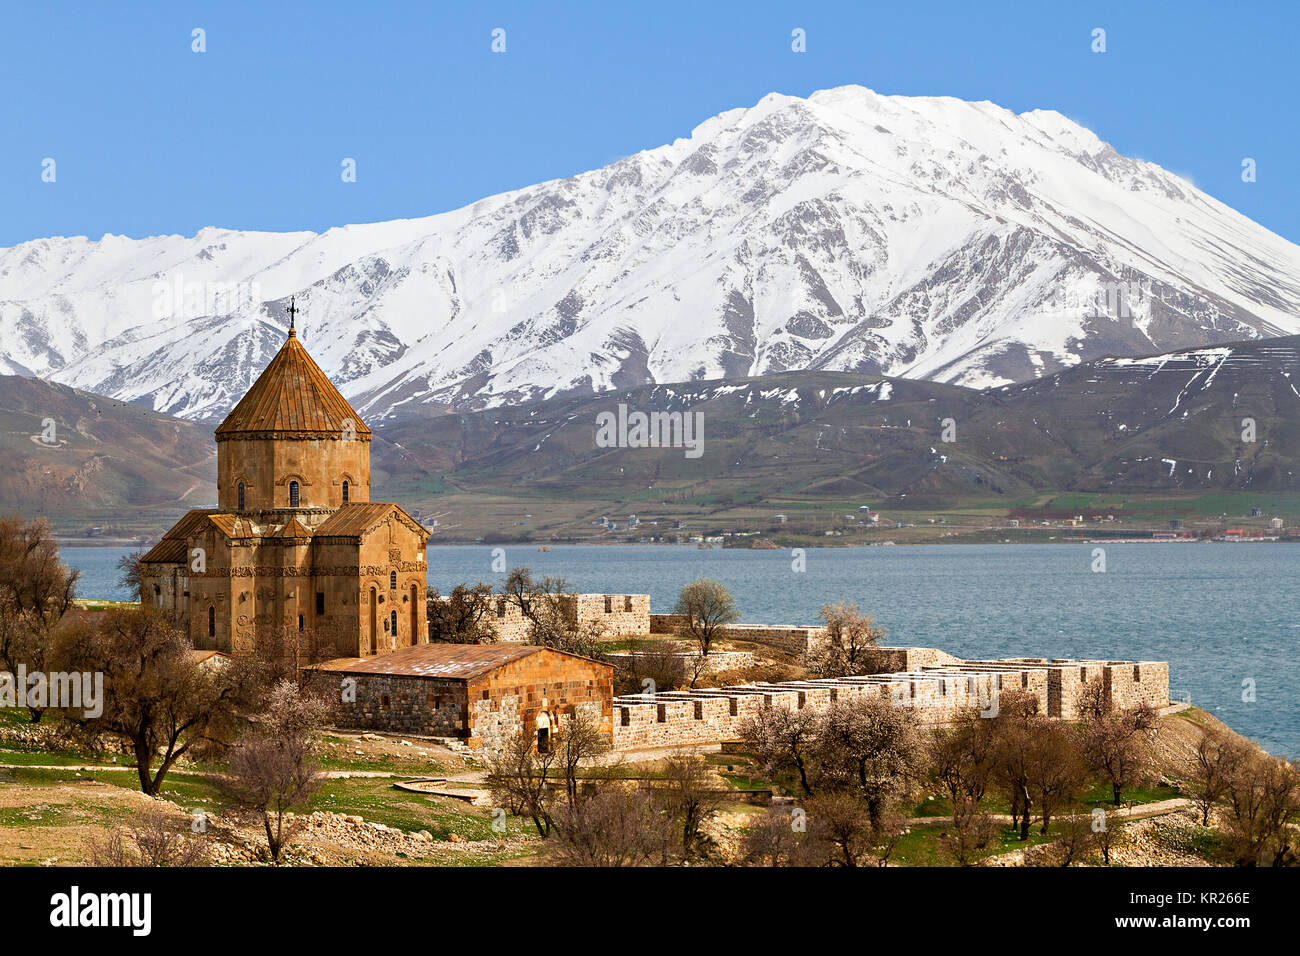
{"points": [[1276, 523], [295, 541]]}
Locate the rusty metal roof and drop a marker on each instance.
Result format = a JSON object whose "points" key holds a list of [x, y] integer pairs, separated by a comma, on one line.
{"points": [[457, 661], [292, 395], [294, 529], [166, 551], [355, 519]]}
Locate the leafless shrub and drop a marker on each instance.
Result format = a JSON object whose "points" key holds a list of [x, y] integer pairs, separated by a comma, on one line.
{"points": [[615, 826], [518, 777], [152, 839], [1263, 811], [1214, 765]]}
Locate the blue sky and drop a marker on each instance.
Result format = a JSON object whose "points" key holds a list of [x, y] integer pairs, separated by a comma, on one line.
{"points": [[149, 137]]}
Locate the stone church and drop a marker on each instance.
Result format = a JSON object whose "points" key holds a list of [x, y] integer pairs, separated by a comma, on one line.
{"points": [[295, 542]]}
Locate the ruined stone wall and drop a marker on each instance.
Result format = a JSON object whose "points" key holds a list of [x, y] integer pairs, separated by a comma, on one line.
{"points": [[683, 718], [1127, 683], [938, 691], [619, 615], [628, 615]]}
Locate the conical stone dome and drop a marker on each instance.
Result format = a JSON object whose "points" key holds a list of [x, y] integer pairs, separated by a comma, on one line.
{"points": [[292, 398]]}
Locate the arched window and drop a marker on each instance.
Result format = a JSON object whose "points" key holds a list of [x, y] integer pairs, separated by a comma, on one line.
{"points": [[394, 622], [293, 494], [392, 580], [241, 496], [345, 491], [212, 621]]}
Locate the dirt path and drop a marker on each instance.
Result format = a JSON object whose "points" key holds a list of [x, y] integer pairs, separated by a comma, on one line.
{"points": [[1138, 812]]}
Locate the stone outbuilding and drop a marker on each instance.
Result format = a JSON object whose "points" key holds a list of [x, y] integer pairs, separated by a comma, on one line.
{"points": [[480, 693]]}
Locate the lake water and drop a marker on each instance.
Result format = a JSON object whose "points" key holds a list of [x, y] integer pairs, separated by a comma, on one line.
{"points": [[1221, 614]]}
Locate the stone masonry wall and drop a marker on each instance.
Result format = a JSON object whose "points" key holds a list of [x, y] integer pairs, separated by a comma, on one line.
{"points": [[683, 718], [413, 705], [618, 615]]}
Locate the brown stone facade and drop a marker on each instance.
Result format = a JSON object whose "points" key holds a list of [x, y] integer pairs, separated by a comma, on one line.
{"points": [[296, 542]]}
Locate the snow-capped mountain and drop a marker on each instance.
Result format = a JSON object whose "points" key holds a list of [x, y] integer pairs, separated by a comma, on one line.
{"points": [[909, 236]]}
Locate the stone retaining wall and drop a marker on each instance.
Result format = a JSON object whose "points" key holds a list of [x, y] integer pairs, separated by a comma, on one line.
{"points": [[691, 717]]}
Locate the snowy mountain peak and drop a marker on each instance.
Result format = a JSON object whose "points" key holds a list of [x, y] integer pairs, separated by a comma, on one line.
{"points": [[926, 237]]}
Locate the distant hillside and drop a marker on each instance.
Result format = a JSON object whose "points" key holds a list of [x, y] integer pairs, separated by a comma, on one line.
{"points": [[1168, 423], [81, 459]]}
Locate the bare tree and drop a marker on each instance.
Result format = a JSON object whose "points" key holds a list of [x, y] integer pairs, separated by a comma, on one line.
{"points": [[1115, 743], [784, 742], [158, 699], [519, 778], [272, 769], [873, 747], [130, 573], [36, 591], [963, 759], [1055, 771], [842, 831], [581, 739], [285, 651], [777, 837], [1108, 831], [1075, 838], [851, 645], [688, 795], [1214, 765], [661, 665], [707, 608], [463, 617], [1013, 729], [550, 608], [1264, 810]]}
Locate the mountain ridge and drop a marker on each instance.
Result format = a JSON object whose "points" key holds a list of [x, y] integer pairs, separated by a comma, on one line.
{"points": [[921, 237]]}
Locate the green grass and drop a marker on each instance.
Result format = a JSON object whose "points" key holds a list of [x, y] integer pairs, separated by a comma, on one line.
{"points": [[929, 845], [379, 802]]}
